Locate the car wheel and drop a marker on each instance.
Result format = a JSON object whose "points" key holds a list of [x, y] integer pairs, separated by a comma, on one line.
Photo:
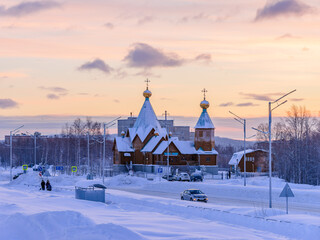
{"points": [[191, 199], [182, 198]]}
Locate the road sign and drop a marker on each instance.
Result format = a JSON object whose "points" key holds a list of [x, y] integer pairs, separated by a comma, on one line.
{"points": [[74, 169], [159, 170], [59, 168], [286, 192], [25, 167], [39, 168]]}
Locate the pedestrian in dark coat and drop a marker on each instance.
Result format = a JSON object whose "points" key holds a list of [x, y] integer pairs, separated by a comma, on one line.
{"points": [[48, 185], [43, 185]]}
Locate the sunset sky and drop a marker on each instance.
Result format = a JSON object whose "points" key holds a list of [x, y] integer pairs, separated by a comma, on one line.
{"points": [[90, 58]]}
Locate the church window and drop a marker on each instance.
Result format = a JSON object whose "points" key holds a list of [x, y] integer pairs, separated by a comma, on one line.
{"points": [[208, 159], [200, 134]]}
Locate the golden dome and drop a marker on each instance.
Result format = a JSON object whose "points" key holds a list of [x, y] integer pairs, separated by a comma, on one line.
{"points": [[156, 134], [147, 93], [123, 133], [204, 104]]}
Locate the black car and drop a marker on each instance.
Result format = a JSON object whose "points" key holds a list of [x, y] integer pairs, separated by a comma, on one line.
{"points": [[169, 177], [195, 177]]}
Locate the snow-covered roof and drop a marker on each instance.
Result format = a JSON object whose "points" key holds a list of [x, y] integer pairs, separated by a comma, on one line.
{"points": [[202, 152], [124, 144], [90, 183], [163, 145], [184, 147], [237, 156], [152, 143], [204, 120], [146, 121]]}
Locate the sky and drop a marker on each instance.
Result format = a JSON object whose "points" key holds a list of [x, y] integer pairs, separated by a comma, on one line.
{"points": [[67, 58]]}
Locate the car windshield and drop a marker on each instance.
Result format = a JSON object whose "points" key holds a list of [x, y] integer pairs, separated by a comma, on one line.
{"points": [[196, 192]]}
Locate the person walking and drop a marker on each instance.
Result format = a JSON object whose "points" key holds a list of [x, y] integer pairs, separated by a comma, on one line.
{"points": [[48, 186], [43, 185]]}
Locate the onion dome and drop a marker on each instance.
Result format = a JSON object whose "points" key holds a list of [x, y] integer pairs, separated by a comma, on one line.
{"points": [[123, 133], [147, 93], [204, 104], [156, 134]]}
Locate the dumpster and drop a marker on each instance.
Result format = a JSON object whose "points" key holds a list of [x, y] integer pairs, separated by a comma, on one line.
{"points": [[90, 190]]}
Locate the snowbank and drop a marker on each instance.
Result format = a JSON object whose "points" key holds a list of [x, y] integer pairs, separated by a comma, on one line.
{"points": [[60, 225]]}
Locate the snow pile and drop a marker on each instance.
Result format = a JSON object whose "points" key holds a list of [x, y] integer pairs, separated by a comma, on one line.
{"points": [[59, 225], [29, 178], [126, 180]]}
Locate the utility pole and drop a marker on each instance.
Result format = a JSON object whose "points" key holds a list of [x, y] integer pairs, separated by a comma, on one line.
{"points": [[168, 165], [104, 150], [106, 125], [35, 148], [11, 152], [88, 146], [243, 122], [270, 145]]}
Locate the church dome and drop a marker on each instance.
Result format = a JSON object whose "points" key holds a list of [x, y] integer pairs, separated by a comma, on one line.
{"points": [[204, 104], [147, 93]]}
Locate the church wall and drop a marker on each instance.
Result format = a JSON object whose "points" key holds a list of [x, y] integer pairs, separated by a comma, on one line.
{"points": [[204, 138], [208, 159]]}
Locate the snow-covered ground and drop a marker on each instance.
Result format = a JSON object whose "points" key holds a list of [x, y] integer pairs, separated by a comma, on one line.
{"points": [[136, 208]]}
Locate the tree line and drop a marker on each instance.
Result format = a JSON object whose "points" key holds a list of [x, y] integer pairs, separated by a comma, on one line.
{"points": [[70, 148], [295, 146]]}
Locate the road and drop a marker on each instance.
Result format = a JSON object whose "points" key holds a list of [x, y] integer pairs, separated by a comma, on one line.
{"points": [[221, 200]]}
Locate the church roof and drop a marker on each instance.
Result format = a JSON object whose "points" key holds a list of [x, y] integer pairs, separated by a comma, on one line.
{"points": [[146, 121], [123, 144], [204, 120], [184, 147], [152, 143]]}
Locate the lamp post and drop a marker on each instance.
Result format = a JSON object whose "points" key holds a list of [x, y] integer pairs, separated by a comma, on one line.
{"points": [[269, 135], [168, 165], [11, 161], [88, 151], [106, 125], [34, 136], [243, 122]]}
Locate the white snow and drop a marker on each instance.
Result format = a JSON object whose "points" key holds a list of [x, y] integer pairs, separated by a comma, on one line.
{"points": [[140, 209], [204, 120]]}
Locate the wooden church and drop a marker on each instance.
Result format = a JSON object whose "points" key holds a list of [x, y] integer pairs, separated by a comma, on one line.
{"points": [[148, 143]]}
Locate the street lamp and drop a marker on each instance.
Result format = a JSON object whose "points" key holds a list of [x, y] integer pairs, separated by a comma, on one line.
{"points": [[168, 154], [11, 162], [269, 135], [106, 125], [243, 122], [34, 136], [88, 152]]}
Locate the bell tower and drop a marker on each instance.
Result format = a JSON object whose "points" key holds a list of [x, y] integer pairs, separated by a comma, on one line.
{"points": [[204, 129]]}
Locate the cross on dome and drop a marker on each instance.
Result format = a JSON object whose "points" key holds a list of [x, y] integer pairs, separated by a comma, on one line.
{"points": [[147, 94], [204, 104], [147, 81], [204, 93]]}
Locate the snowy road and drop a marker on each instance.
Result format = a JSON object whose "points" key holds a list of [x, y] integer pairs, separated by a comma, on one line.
{"points": [[294, 206], [148, 210]]}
